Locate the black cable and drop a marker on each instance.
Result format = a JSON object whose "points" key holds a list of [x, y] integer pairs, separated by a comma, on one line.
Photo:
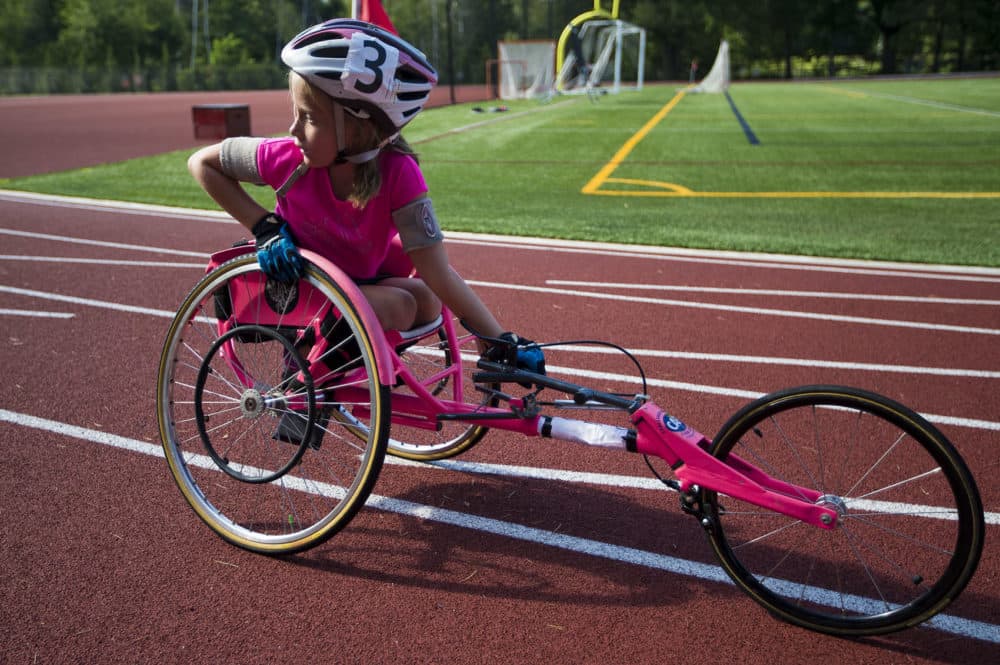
{"points": [[596, 342]]}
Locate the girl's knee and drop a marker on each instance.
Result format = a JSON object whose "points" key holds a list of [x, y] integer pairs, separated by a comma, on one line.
{"points": [[428, 305], [395, 308]]}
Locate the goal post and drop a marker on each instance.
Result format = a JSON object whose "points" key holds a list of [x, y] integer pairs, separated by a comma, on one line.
{"points": [[718, 77], [525, 69]]}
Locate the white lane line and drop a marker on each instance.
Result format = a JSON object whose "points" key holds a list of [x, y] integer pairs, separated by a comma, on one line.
{"points": [[762, 311], [101, 243], [742, 394], [100, 262], [36, 313], [712, 573], [107, 205], [567, 371], [89, 302], [777, 360], [749, 260], [774, 292]]}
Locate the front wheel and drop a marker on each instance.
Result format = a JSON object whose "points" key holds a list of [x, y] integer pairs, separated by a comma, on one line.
{"points": [[910, 529]]}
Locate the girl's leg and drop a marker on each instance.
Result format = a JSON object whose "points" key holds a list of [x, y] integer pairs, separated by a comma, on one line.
{"points": [[400, 303]]}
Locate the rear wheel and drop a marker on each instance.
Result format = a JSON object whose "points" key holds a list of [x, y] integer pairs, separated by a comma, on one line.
{"points": [[910, 529], [257, 456]]}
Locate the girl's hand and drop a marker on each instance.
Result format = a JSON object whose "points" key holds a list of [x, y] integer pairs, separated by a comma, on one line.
{"points": [[277, 254]]}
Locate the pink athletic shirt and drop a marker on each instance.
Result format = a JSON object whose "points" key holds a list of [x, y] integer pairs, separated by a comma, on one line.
{"points": [[356, 240]]}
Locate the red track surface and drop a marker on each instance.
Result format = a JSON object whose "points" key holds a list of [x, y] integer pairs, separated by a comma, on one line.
{"points": [[43, 134], [103, 561]]}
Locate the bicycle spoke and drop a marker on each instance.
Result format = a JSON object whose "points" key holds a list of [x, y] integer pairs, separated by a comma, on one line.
{"points": [[228, 361], [901, 548]]}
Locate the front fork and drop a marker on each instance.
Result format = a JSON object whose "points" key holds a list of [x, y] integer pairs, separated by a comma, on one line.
{"points": [[685, 450]]}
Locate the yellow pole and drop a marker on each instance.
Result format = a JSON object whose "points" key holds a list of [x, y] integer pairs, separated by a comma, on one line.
{"points": [[582, 18]]}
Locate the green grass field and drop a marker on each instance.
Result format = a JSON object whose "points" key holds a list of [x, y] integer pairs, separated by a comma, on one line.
{"points": [[905, 170]]}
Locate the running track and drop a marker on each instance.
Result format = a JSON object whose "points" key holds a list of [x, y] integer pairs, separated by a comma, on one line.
{"points": [[104, 562]]}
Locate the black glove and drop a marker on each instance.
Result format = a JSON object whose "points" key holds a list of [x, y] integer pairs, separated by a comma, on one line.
{"points": [[277, 254]]}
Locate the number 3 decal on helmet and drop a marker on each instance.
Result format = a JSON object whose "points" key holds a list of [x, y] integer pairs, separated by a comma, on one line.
{"points": [[370, 66]]}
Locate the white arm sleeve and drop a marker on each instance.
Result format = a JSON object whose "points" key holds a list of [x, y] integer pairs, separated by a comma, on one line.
{"points": [[239, 159]]}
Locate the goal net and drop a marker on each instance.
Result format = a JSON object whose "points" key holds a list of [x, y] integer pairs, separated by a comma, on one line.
{"points": [[526, 69], [602, 52], [718, 77]]}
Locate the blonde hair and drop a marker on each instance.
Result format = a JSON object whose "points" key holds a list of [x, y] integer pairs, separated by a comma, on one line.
{"points": [[368, 175], [367, 136]]}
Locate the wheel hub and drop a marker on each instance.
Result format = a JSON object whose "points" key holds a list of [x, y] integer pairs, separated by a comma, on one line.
{"points": [[834, 502], [252, 403]]}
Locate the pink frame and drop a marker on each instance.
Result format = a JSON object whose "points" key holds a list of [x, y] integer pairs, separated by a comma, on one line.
{"points": [[655, 432]]}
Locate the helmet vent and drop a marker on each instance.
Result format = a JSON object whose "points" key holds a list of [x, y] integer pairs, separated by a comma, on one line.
{"points": [[414, 96], [410, 75], [331, 52], [318, 37]]}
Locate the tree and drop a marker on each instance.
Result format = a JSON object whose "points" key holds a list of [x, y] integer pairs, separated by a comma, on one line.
{"points": [[891, 17]]}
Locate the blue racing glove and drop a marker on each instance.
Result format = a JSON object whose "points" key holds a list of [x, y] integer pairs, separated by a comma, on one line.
{"points": [[276, 252], [524, 353]]}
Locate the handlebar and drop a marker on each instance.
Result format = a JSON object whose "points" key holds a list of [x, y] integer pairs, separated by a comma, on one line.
{"points": [[501, 373]]}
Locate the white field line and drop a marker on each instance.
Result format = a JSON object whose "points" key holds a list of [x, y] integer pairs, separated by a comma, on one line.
{"points": [[926, 102], [492, 120], [748, 260], [946, 623]]}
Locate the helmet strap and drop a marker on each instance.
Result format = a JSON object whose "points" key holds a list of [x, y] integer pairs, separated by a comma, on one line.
{"points": [[358, 158]]}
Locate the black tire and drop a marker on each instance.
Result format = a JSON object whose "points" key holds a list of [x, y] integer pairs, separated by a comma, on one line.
{"points": [[221, 395], [911, 524]]}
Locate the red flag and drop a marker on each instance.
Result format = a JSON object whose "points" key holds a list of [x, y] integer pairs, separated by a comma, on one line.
{"points": [[372, 11]]}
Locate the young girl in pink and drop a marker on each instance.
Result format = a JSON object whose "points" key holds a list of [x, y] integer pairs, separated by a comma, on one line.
{"points": [[347, 185]]}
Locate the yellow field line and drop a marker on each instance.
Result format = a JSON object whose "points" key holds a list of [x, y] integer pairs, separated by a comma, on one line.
{"points": [[605, 172], [668, 189]]}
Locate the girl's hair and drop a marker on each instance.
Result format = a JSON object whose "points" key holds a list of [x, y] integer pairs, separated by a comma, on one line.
{"points": [[367, 175], [367, 136]]}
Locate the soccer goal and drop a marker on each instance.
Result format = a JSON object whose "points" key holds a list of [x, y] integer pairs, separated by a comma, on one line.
{"points": [[525, 69], [606, 52], [718, 77]]}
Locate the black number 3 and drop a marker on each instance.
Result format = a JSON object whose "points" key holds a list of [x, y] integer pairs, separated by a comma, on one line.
{"points": [[374, 66]]}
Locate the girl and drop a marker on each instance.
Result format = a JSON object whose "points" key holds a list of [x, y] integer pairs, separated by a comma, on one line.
{"points": [[348, 186]]}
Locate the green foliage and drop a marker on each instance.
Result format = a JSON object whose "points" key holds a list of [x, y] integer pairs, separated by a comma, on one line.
{"points": [[229, 50], [154, 41]]}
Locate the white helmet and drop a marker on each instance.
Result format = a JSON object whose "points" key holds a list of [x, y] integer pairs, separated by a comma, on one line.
{"points": [[365, 68]]}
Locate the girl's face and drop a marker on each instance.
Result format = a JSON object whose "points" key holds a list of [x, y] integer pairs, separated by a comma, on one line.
{"points": [[312, 124]]}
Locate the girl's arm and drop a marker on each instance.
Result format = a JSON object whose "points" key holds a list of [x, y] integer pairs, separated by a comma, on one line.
{"points": [[206, 167], [433, 268]]}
